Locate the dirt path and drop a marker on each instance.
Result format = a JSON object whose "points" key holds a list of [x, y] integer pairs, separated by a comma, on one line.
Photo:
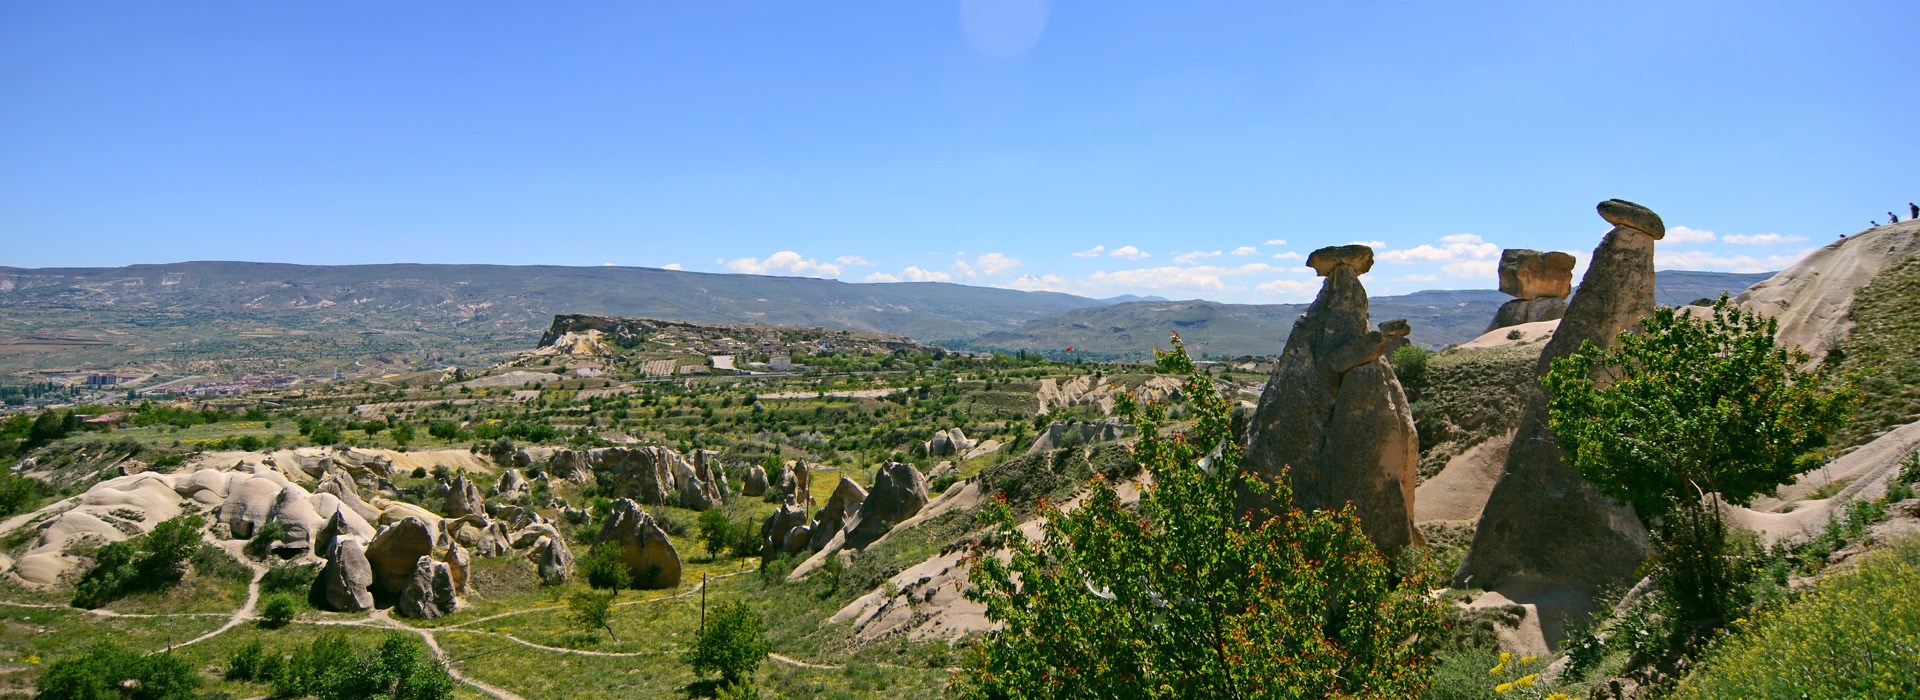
{"points": [[253, 592]]}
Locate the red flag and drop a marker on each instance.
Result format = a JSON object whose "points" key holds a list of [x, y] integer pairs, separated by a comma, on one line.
{"points": [[1069, 348]]}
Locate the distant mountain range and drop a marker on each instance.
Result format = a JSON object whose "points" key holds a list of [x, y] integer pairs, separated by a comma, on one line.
{"points": [[238, 316]]}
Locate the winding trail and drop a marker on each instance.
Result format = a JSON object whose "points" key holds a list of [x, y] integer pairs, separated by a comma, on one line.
{"points": [[253, 591]]}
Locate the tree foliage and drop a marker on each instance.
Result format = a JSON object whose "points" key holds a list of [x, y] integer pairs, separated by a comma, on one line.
{"points": [[732, 644], [1184, 595], [153, 561], [592, 610], [1693, 405], [108, 671]]}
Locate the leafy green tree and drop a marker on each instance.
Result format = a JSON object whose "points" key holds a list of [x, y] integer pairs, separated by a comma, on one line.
{"points": [[604, 568], [593, 611], [278, 611], [1690, 410], [402, 434], [716, 532], [1185, 595], [732, 644], [109, 671], [16, 492]]}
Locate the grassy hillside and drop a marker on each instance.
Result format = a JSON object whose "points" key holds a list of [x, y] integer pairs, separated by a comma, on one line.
{"points": [[1881, 349]]}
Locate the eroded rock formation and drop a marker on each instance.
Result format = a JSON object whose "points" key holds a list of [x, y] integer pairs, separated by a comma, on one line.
{"points": [[644, 547], [1539, 284], [393, 552], [1545, 531], [343, 584], [428, 592], [1334, 416], [899, 492]]}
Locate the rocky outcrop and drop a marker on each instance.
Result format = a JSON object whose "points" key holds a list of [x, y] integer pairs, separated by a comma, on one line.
{"points": [[511, 482], [644, 547], [463, 498], [459, 563], [1813, 300], [832, 518], [949, 443], [899, 492], [794, 482], [1544, 530], [755, 484], [250, 504], [344, 523], [340, 485], [428, 592], [344, 583], [493, 541], [393, 552], [773, 532], [1394, 334], [553, 559], [1060, 434], [1333, 416], [1539, 284]]}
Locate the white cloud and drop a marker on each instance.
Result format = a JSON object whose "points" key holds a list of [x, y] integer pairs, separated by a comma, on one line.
{"points": [[672, 266], [1369, 244], [608, 264], [1472, 269], [1465, 256], [1418, 278], [1093, 252], [1245, 250], [1289, 255], [1760, 239], [1275, 241], [995, 264], [785, 262], [1682, 234], [1170, 277], [1129, 252], [1041, 283], [1286, 286], [911, 274], [1709, 260], [853, 261], [1192, 257]]}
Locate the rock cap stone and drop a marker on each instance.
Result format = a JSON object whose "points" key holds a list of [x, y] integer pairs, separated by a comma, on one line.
{"points": [[1531, 274], [1625, 214], [1324, 260]]}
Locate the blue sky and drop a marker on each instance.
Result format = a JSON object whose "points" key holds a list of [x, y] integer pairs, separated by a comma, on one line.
{"points": [[1178, 149]]}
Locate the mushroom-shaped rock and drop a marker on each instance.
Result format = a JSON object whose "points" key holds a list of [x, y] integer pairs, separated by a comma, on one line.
{"points": [[1325, 260], [1334, 417], [343, 584], [458, 563], [553, 559], [463, 498], [899, 492], [1545, 530], [1395, 333], [644, 547], [755, 484], [524, 537], [841, 507], [428, 592], [394, 551], [1625, 214], [773, 532]]}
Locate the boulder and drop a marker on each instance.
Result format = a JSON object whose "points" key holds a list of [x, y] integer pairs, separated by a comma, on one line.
{"points": [[1521, 311], [341, 485], [428, 591], [1544, 530], [493, 541], [1060, 434], [343, 584], [511, 482], [644, 547], [794, 482], [463, 498], [1395, 334], [755, 485], [773, 532], [250, 504], [949, 443], [1325, 260], [459, 563], [553, 559], [394, 551], [295, 513], [344, 523], [899, 492], [832, 518], [1531, 274], [1333, 416]]}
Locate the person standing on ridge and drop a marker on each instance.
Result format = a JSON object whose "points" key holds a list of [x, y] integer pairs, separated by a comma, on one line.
{"points": [[1914, 209], [1892, 219]]}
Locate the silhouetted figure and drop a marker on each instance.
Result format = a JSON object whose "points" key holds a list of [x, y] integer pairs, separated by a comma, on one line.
{"points": [[1874, 223], [1914, 210], [1891, 219]]}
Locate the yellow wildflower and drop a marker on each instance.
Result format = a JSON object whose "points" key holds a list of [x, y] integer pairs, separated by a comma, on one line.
{"points": [[1558, 696], [1528, 659], [1497, 668], [32, 660], [1526, 681], [1503, 687]]}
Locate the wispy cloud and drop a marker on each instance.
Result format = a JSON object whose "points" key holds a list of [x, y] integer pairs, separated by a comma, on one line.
{"points": [[1760, 239], [1456, 247], [1682, 235], [1275, 241], [672, 266], [1093, 252], [1192, 257], [1129, 252], [910, 274], [853, 261], [1245, 250], [1710, 260]]}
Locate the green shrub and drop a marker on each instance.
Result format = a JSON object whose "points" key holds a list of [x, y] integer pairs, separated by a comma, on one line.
{"points": [[264, 538], [17, 492], [716, 532], [278, 611], [253, 662], [108, 670], [289, 578], [1851, 637], [151, 562], [604, 568]]}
